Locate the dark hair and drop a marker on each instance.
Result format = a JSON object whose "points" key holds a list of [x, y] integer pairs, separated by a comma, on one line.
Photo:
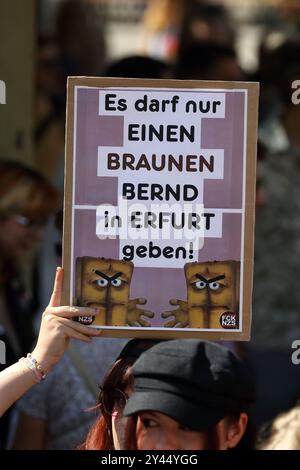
{"points": [[137, 67], [198, 60], [119, 377]]}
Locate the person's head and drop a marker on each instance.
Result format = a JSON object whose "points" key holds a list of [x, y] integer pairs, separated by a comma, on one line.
{"points": [[188, 395], [108, 431], [279, 66], [208, 61], [76, 19], [26, 202], [138, 66], [205, 21]]}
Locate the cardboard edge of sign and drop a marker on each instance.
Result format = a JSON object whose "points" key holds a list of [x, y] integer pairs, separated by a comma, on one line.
{"points": [[251, 147]]}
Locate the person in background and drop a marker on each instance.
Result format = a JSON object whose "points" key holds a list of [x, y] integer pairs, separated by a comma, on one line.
{"points": [[206, 21], [161, 26], [188, 395], [137, 66], [283, 433], [276, 295], [208, 61], [169, 27], [74, 20], [27, 201]]}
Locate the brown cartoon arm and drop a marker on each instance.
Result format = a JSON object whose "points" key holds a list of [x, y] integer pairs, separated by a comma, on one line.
{"points": [[134, 313], [181, 315]]}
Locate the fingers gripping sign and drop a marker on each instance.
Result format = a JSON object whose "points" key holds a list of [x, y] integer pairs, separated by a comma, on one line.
{"points": [[57, 327]]}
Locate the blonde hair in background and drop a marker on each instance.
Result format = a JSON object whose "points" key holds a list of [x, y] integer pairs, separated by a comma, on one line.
{"points": [[25, 192], [160, 14], [285, 432]]}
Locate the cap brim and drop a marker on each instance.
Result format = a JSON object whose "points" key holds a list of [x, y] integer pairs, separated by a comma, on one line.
{"points": [[192, 415]]}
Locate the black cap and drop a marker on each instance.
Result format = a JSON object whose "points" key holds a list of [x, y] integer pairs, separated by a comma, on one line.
{"points": [[195, 382], [135, 347]]}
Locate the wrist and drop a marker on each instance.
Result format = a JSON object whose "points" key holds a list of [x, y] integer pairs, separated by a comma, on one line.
{"points": [[32, 364], [42, 360], [23, 366]]}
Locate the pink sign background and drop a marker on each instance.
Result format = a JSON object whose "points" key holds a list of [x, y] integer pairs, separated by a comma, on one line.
{"points": [[157, 285]]}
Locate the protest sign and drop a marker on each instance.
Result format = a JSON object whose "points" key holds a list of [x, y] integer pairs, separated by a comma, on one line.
{"points": [[159, 205]]}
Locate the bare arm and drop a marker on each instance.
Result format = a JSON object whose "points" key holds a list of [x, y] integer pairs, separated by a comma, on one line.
{"points": [[14, 382], [55, 332]]}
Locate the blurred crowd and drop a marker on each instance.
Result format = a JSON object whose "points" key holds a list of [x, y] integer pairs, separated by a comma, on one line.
{"points": [[183, 39]]}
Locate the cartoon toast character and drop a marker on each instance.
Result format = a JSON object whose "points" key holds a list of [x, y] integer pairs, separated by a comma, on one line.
{"points": [[212, 290], [105, 284]]}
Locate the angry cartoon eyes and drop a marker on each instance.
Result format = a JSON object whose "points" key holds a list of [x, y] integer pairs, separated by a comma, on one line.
{"points": [[105, 282], [200, 284], [101, 282], [212, 285]]}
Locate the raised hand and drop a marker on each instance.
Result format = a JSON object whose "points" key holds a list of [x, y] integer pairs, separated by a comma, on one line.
{"points": [[57, 327]]}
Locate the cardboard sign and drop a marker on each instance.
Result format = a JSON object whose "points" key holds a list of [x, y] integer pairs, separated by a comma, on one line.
{"points": [[159, 206]]}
